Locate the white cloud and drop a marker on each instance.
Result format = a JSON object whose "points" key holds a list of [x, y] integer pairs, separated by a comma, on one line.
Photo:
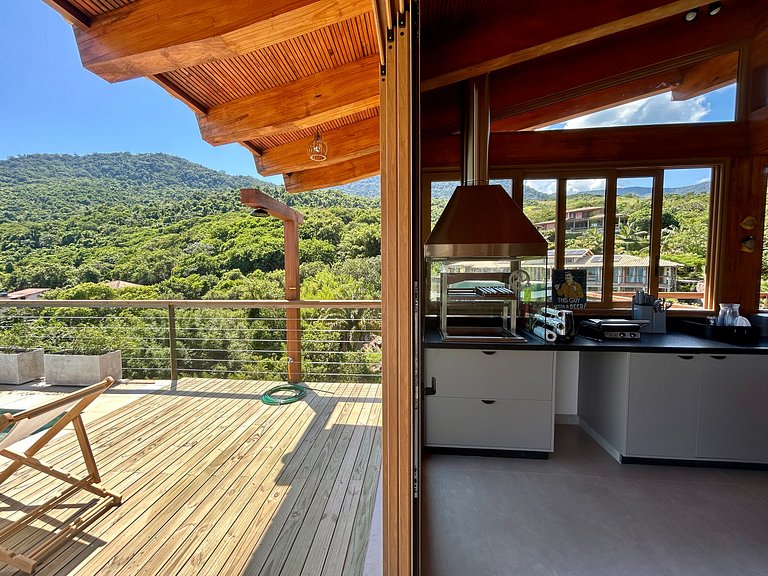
{"points": [[659, 109], [592, 184]]}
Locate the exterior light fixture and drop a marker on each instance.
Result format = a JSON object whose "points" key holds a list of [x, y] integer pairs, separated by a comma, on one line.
{"points": [[691, 15], [259, 213], [318, 150], [714, 8]]}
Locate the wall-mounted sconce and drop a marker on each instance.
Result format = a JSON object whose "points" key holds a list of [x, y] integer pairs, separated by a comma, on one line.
{"points": [[748, 244], [318, 150]]}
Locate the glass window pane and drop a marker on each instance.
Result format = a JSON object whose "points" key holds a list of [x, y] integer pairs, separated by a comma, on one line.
{"points": [[684, 234], [764, 275], [584, 225], [540, 205], [440, 192], [633, 237]]}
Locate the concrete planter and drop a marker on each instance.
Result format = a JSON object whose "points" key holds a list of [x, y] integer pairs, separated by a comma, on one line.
{"points": [[21, 367], [82, 370]]}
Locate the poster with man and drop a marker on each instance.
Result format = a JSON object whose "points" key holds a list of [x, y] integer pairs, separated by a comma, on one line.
{"points": [[569, 288]]}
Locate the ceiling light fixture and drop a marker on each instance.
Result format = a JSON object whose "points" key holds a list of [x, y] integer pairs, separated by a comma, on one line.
{"points": [[691, 15], [714, 8], [318, 150]]}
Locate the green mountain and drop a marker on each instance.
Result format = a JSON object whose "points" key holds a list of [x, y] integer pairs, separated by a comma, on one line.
{"points": [[166, 223]]}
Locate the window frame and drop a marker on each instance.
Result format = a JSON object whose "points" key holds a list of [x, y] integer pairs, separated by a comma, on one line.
{"points": [[611, 175]]}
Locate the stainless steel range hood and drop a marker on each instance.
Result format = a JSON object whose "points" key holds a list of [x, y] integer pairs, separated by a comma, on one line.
{"points": [[481, 220]]}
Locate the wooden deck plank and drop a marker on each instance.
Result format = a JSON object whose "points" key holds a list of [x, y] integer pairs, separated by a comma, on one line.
{"points": [[164, 515], [182, 546], [354, 560], [216, 494], [309, 506], [342, 529], [264, 517], [324, 532], [121, 519]]}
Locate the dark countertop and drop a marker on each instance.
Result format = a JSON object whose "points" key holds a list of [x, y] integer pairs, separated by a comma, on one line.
{"points": [[672, 342]]}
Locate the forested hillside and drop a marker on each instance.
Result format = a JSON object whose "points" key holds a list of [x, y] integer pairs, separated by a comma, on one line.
{"points": [[174, 227]]}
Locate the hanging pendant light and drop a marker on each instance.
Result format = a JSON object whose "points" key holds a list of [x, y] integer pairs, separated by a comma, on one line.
{"points": [[318, 150]]}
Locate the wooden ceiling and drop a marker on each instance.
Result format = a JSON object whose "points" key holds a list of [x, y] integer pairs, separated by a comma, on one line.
{"points": [[270, 73]]}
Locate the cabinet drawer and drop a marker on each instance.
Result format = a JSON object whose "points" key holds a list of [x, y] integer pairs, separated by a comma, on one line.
{"points": [[526, 375], [502, 424]]}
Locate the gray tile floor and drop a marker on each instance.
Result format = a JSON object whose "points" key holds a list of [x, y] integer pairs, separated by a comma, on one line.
{"points": [[583, 513]]}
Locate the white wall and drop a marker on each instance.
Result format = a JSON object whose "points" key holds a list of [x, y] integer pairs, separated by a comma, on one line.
{"points": [[566, 382]]}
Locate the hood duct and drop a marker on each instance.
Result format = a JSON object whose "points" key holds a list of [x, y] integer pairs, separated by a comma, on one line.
{"points": [[481, 220]]}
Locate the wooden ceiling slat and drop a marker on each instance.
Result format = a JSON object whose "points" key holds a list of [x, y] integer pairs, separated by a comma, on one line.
{"points": [[708, 75], [301, 104], [96, 7], [135, 40], [265, 144], [335, 175], [344, 143], [271, 67], [525, 31]]}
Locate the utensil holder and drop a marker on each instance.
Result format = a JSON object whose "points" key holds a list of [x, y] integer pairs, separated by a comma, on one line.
{"points": [[657, 320]]}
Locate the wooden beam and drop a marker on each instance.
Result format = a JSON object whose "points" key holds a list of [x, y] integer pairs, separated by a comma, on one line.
{"points": [[590, 103], [153, 36], [334, 175], [345, 143], [254, 198], [708, 75], [585, 69], [594, 145], [305, 103], [530, 30], [70, 13]]}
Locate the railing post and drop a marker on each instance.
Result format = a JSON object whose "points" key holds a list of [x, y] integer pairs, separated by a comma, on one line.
{"points": [[172, 340]]}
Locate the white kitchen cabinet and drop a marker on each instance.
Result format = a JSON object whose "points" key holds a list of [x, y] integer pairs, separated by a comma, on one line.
{"points": [[677, 406], [497, 399], [733, 407], [662, 416]]}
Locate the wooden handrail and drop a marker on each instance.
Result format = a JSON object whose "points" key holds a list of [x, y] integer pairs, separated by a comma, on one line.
{"points": [[280, 304]]}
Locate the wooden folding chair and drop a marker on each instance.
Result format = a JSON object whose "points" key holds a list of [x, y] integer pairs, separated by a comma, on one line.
{"points": [[16, 427]]}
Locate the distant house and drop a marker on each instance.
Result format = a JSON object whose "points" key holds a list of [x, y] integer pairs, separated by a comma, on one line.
{"points": [[117, 284], [27, 294], [579, 219], [629, 272]]}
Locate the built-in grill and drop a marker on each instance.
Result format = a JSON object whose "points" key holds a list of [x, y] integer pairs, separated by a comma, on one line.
{"points": [[481, 227]]}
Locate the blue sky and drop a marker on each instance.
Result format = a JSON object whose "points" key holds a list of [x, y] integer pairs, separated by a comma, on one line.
{"points": [[51, 104]]}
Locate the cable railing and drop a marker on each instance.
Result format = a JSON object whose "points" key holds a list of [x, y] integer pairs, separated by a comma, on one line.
{"points": [[337, 340]]}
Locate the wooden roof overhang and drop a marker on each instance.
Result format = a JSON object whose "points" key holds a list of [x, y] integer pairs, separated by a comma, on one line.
{"points": [[269, 74]]}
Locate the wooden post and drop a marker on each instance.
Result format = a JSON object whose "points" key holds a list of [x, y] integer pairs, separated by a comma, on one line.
{"points": [[291, 220], [397, 154], [292, 292]]}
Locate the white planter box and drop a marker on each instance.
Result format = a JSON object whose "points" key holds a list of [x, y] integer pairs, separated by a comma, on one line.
{"points": [[21, 367], [82, 370]]}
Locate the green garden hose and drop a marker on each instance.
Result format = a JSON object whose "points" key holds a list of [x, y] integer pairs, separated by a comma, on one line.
{"points": [[297, 393]]}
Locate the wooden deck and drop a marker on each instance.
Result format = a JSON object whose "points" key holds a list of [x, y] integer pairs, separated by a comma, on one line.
{"points": [[215, 482]]}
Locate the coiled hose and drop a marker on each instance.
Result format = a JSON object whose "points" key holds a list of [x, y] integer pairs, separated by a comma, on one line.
{"points": [[297, 392]]}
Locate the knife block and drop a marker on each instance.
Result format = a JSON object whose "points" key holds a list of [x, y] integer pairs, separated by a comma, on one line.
{"points": [[657, 321]]}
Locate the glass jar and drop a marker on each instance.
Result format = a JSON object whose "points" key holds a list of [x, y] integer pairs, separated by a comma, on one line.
{"points": [[728, 314]]}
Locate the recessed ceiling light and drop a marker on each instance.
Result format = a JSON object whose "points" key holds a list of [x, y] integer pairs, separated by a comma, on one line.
{"points": [[714, 8], [691, 15]]}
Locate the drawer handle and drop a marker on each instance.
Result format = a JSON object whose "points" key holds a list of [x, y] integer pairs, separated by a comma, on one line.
{"points": [[686, 357], [718, 357], [488, 401], [489, 352]]}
